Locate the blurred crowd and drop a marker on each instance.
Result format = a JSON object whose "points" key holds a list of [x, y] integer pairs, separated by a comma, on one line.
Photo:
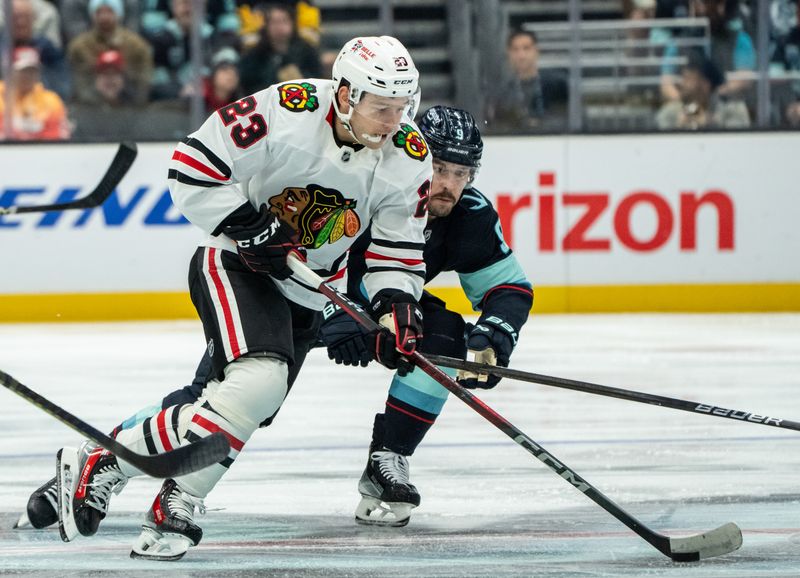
{"points": [[713, 88], [90, 75], [89, 69]]}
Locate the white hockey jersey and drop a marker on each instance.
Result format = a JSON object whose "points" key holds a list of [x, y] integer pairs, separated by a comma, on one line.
{"points": [[278, 147]]}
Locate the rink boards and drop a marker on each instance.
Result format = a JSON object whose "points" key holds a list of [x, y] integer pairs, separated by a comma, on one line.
{"points": [[599, 223]]}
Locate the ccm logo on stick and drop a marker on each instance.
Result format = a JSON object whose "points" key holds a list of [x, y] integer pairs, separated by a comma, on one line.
{"points": [[591, 207]]}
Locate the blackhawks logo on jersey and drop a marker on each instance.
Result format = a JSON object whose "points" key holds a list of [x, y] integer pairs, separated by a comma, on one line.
{"points": [[298, 97], [409, 139], [319, 215]]}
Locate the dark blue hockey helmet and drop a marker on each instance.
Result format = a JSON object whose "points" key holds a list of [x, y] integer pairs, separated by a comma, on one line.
{"points": [[452, 135]]}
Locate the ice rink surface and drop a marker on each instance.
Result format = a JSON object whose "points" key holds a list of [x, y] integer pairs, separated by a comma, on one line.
{"points": [[488, 507]]}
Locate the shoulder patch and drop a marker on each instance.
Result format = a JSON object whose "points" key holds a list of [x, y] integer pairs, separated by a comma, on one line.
{"points": [[298, 97], [411, 141], [473, 200]]}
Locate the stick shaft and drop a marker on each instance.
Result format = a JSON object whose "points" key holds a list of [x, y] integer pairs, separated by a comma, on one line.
{"points": [[126, 154], [659, 541], [183, 460], [605, 390]]}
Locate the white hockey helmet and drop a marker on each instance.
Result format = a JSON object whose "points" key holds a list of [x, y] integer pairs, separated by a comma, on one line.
{"points": [[378, 65]]}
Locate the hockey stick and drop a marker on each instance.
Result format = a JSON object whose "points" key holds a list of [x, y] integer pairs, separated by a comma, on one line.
{"points": [[126, 154], [587, 387], [722, 540], [183, 460]]}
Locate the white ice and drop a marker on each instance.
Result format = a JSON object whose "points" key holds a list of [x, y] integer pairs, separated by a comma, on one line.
{"points": [[488, 507]]}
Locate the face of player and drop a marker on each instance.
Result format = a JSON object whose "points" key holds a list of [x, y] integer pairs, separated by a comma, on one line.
{"points": [[449, 180], [376, 118]]}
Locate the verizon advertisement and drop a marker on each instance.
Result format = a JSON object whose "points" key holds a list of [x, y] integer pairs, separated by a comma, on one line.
{"points": [[602, 210]]}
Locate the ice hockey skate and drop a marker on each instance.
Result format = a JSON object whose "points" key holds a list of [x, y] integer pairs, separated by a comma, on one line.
{"points": [[42, 508], [85, 479], [169, 529], [387, 495]]}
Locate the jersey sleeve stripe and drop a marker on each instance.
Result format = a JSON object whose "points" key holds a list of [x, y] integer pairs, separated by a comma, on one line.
{"points": [[218, 163], [396, 269], [197, 165], [526, 290], [379, 257], [398, 244], [187, 180]]}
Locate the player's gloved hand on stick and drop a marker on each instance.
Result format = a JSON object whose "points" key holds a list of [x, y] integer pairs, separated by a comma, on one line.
{"points": [[401, 316], [345, 338], [262, 240], [491, 341]]}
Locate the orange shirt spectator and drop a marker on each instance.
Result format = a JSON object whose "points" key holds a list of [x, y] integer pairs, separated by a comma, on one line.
{"points": [[37, 113]]}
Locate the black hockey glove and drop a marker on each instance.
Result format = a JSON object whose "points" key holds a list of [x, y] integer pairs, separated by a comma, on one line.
{"points": [[490, 341], [262, 240], [345, 338], [401, 317]]}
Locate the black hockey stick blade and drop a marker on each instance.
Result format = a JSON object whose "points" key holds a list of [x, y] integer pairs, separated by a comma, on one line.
{"points": [[183, 460], [627, 394], [722, 540], [126, 154]]}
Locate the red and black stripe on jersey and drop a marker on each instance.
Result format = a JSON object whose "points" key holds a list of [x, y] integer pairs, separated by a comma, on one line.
{"points": [[210, 165]]}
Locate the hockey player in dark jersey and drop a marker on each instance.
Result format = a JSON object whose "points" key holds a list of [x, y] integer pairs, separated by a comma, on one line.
{"points": [[462, 235]]}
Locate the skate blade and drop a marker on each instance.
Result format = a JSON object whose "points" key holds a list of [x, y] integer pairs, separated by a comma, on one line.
{"points": [[373, 512], [22, 523], [67, 472], [153, 545]]}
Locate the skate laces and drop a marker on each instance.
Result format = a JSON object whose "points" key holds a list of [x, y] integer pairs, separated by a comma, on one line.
{"points": [[108, 480], [182, 505], [392, 466]]}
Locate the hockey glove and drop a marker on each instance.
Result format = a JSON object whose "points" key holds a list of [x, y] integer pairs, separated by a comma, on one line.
{"points": [[345, 338], [401, 316], [262, 240], [491, 341]]}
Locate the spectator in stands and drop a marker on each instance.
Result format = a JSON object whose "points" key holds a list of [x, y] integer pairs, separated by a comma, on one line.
{"points": [[732, 48], [53, 66], [37, 113], [222, 86], [280, 54], [786, 59], [80, 19], [701, 106], [174, 76], [529, 98], [112, 113], [221, 16], [108, 34], [251, 15], [111, 86], [46, 21]]}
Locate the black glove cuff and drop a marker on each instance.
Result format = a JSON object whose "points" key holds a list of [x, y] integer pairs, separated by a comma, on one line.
{"points": [[244, 218], [385, 298]]}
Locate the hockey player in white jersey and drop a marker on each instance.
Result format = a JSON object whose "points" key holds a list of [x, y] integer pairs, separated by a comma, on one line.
{"points": [[301, 166]]}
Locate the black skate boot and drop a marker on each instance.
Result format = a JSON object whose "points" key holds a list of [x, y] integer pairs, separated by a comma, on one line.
{"points": [[169, 529], [42, 510], [387, 495], [86, 480]]}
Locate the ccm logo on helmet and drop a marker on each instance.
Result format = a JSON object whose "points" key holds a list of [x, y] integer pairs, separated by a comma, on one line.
{"points": [[407, 81]]}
